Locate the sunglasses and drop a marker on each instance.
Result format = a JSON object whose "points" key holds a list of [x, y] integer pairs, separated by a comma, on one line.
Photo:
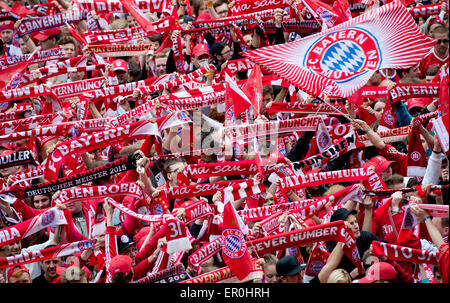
{"points": [[442, 41]]}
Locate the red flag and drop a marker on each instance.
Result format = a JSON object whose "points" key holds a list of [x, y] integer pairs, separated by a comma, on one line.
{"points": [[10, 76], [240, 99], [365, 115], [18, 10], [342, 9], [253, 89], [131, 7], [387, 120], [234, 247], [356, 98], [323, 11], [317, 260]]}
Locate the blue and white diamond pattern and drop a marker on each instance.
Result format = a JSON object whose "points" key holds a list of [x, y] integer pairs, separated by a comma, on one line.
{"points": [[345, 56], [233, 243]]}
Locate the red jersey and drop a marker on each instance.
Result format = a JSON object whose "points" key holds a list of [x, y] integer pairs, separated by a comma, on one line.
{"points": [[431, 59]]}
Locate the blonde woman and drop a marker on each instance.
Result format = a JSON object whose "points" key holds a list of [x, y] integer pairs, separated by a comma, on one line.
{"points": [[339, 276]]}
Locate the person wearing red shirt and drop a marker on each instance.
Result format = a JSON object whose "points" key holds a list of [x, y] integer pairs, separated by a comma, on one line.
{"points": [[438, 54]]}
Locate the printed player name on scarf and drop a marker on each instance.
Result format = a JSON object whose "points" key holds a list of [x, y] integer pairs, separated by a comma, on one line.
{"points": [[240, 132], [25, 93], [30, 122], [391, 135], [28, 26], [136, 130], [17, 232], [20, 157], [72, 89], [47, 253], [107, 170], [249, 6], [127, 34], [115, 6], [55, 53], [244, 167], [337, 176], [225, 275], [27, 174], [99, 192], [121, 50], [404, 253], [15, 115], [346, 144], [163, 274]]}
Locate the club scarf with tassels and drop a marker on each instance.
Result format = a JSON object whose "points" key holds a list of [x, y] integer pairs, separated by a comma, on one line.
{"points": [[404, 253], [47, 253], [51, 217]]}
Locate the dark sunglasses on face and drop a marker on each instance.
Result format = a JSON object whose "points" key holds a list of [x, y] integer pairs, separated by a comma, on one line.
{"points": [[442, 41]]}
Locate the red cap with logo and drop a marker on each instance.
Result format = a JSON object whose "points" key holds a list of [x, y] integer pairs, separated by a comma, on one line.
{"points": [[120, 64], [200, 49], [6, 24], [15, 269], [379, 271], [120, 263], [380, 163]]}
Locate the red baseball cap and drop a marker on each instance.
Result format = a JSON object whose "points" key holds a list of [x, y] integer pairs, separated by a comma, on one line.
{"points": [[200, 49], [15, 269], [6, 24], [418, 102], [120, 64], [380, 163], [45, 34], [379, 271], [120, 263]]}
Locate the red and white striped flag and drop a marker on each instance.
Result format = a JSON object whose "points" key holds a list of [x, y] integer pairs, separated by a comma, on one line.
{"points": [[343, 58], [441, 128]]}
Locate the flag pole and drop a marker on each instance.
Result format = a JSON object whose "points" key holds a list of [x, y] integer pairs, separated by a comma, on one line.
{"points": [[337, 110]]}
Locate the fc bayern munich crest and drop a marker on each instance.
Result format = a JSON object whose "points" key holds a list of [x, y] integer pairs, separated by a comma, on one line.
{"points": [[323, 140], [234, 244], [388, 118], [415, 156], [343, 55]]}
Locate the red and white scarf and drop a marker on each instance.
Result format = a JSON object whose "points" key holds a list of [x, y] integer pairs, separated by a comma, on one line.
{"points": [[41, 23], [130, 189], [47, 253], [226, 275], [136, 130], [403, 91], [334, 231], [72, 89], [121, 50], [115, 6], [312, 179], [51, 217], [305, 108], [243, 167], [127, 34], [55, 53], [204, 253], [390, 135], [15, 115], [25, 93], [29, 123], [404, 253]]}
